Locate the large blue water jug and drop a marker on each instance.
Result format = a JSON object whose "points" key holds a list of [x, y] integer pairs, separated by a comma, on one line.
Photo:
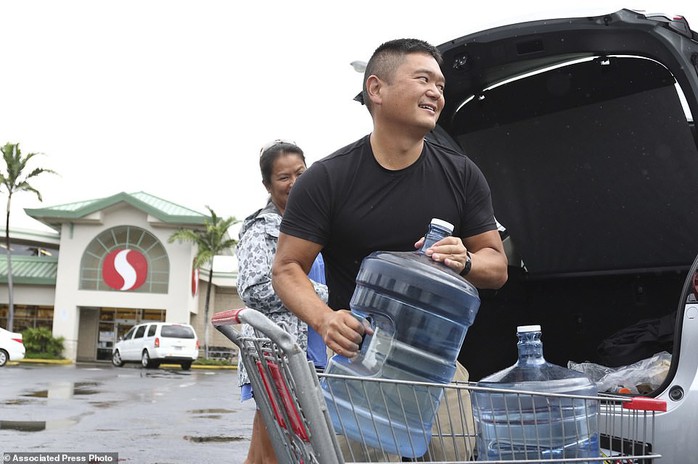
{"points": [[420, 311], [515, 426]]}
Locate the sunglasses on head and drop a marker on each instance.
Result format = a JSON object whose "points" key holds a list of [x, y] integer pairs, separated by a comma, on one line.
{"points": [[274, 143]]}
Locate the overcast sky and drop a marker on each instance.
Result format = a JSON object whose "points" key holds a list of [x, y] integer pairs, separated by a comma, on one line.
{"points": [[175, 98]]}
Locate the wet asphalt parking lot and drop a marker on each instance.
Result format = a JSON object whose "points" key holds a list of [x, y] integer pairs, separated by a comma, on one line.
{"points": [[147, 416]]}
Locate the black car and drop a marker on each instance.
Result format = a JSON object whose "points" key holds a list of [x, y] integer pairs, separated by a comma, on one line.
{"points": [[583, 128]]}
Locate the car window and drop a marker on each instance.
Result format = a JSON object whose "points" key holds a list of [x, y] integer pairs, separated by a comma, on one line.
{"points": [[151, 330], [177, 331], [129, 334], [140, 331]]}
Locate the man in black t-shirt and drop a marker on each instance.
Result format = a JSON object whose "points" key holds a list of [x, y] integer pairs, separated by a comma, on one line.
{"points": [[380, 193]]}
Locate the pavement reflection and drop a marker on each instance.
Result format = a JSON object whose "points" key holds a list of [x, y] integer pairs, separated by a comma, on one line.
{"points": [[146, 415]]}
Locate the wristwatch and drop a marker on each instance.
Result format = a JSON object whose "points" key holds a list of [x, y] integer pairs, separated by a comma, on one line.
{"points": [[468, 264]]}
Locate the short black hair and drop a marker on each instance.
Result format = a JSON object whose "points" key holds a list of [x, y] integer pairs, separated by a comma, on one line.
{"points": [[388, 56]]}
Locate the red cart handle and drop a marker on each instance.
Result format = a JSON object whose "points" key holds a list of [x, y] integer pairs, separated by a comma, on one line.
{"points": [[642, 403], [229, 317]]}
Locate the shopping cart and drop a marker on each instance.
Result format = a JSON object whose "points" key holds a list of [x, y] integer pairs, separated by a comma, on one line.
{"points": [[296, 404]]}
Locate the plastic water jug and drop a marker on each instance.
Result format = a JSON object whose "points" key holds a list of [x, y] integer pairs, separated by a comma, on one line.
{"points": [[515, 426], [420, 311]]}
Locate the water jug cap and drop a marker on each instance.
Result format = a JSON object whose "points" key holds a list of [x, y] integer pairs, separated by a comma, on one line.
{"points": [[441, 223], [528, 328]]}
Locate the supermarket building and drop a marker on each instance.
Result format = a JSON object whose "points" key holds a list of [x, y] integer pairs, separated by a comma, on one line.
{"points": [[108, 266]]}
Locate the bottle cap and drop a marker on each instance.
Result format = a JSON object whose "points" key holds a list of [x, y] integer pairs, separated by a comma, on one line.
{"points": [[528, 328], [443, 224]]}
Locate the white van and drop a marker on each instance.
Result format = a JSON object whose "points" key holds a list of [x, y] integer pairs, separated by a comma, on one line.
{"points": [[154, 343], [584, 130]]}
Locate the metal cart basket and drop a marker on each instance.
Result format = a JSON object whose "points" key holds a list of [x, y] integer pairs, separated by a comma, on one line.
{"points": [[296, 403]]}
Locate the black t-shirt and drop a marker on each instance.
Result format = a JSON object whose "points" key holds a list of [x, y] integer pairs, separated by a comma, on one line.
{"points": [[352, 206]]}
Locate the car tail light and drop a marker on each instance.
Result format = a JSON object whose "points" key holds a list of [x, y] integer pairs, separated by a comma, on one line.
{"points": [[18, 340], [197, 344], [157, 342]]}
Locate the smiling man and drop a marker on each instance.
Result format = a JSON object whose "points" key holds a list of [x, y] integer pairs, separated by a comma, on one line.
{"points": [[380, 193]]}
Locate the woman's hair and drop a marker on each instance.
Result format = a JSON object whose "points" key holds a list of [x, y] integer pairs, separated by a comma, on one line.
{"points": [[271, 152]]}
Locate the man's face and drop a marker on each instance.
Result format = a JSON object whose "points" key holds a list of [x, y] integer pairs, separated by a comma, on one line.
{"points": [[413, 96]]}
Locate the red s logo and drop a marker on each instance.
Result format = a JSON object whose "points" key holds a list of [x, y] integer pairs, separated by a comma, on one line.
{"points": [[124, 269]]}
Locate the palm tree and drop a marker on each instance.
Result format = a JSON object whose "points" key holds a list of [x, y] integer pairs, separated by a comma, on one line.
{"points": [[15, 179], [211, 241]]}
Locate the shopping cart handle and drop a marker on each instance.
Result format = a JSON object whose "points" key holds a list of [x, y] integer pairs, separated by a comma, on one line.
{"points": [[225, 319], [642, 403], [229, 317]]}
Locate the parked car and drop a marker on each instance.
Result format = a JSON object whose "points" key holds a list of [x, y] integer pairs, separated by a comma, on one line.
{"points": [[154, 343], [11, 346], [584, 130]]}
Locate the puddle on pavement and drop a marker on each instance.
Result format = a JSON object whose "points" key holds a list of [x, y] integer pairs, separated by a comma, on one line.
{"points": [[36, 426], [85, 388], [103, 404], [65, 390], [213, 413], [58, 390], [164, 373], [17, 402], [212, 439], [210, 411]]}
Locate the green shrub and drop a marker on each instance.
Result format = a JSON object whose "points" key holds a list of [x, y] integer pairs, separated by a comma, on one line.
{"points": [[40, 342]]}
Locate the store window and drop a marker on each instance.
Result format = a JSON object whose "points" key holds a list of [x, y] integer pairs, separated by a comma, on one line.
{"points": [[125, 258], [27, 317]]}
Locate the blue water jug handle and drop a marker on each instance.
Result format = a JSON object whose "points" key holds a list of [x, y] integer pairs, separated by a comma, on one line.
{"points": [[373, 350], [366, 322]]}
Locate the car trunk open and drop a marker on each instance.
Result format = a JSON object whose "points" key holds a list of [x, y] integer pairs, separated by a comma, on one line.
{"points": [[593, 167]]}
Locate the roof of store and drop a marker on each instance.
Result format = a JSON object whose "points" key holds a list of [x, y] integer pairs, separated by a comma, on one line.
{"points": [[31, 270], [158, 210], [42, 270], [19, 235]]}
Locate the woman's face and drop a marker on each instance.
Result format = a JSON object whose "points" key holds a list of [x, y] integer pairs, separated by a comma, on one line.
{"points": [[285, 170]]}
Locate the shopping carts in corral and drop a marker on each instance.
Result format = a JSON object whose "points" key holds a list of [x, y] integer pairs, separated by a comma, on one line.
{"points": [[304, 428]]}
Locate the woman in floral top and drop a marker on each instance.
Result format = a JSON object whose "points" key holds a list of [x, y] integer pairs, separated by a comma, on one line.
{"points": [[280, 164]]}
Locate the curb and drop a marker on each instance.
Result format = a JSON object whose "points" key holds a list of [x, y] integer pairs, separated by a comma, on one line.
{"points": [[45, 361]]}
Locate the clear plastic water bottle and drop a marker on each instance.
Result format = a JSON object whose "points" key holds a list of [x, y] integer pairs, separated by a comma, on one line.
{"points": [[420, 311], [515, 426]]}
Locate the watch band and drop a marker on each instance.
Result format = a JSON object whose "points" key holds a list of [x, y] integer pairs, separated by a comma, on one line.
{"points": [[468, 264]]}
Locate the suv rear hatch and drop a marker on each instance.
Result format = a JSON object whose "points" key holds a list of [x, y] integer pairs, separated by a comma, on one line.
{"points": [[583, 129], [177, 340]]}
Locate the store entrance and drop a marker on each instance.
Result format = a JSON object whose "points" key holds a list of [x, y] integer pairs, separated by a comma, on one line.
{"points": [[115, 322]]}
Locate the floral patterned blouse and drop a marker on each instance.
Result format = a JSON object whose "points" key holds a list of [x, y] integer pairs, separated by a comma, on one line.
{"points": [[255, 252]]}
